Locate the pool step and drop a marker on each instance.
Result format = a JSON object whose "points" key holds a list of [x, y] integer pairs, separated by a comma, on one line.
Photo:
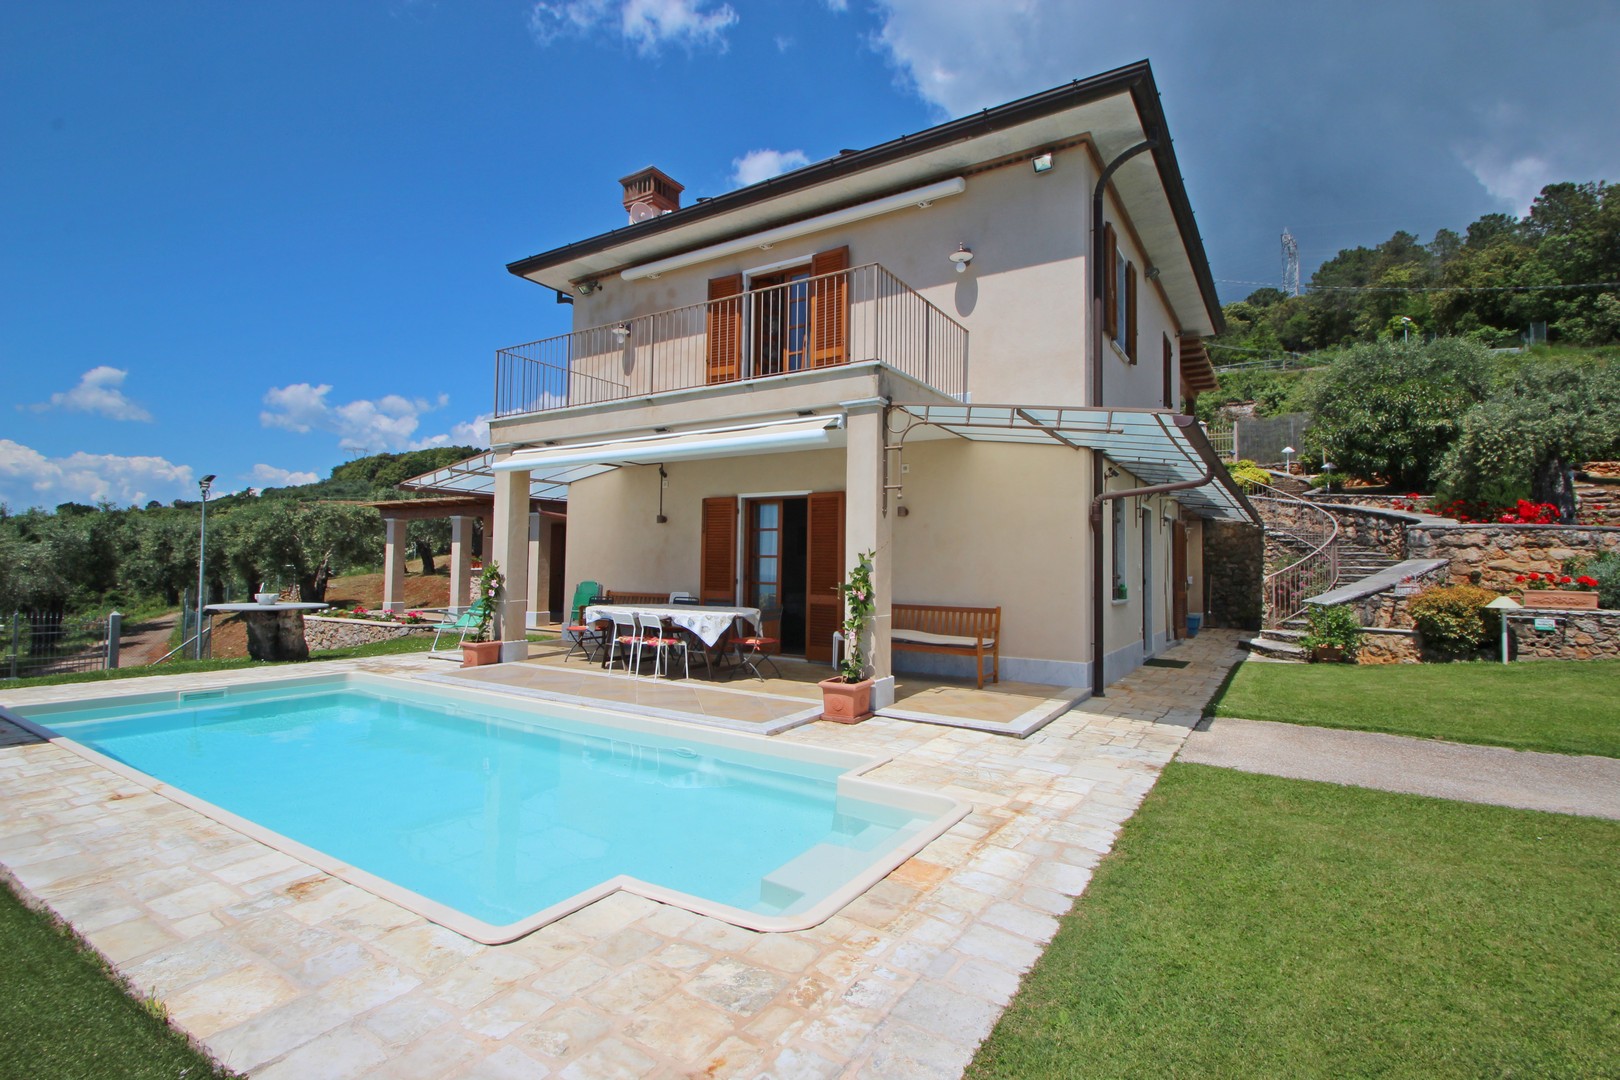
{"points": [[809, 873]]}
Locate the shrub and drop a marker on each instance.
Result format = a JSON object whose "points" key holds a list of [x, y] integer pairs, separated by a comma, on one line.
{"points": [[1247, 473], [1332, 625], [1605, 570], [1453, 619]]}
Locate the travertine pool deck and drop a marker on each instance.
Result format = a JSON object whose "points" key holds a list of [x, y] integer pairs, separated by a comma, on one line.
{"points": [[283, 971]]}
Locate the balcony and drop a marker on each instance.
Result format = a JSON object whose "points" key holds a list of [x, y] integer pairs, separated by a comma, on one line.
{"points": [[799, 325]]}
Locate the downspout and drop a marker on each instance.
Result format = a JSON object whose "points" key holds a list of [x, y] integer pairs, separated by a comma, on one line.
{"points": [[1094, 341]]}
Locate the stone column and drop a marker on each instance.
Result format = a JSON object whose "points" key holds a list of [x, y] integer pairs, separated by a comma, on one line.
{"points": [[394, 565], [460, 562], [868, 528], [509, 536]]}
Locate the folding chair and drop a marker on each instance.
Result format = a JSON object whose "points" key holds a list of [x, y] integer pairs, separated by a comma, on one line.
{"points": [[751, 652], [465, 623], [589, 640]]}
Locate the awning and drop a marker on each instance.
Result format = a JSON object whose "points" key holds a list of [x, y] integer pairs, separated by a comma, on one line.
{"points": [[472, 476], [741, 440], [1156, 445]]}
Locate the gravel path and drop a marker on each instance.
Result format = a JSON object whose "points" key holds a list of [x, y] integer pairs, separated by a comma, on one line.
{"points": [[1562, 783]]}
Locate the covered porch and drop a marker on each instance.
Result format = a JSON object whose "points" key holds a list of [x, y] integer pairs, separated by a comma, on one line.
{"points": [[964, 505]]}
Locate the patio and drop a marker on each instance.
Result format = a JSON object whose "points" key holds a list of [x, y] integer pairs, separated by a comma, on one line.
{"points": [[782, 700], [286, 972]]}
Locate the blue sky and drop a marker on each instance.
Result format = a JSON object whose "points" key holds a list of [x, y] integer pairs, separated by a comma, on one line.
{"points": [[258, 239]]}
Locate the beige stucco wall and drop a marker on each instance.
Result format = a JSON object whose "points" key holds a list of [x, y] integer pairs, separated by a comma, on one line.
{"points": [[1023, 300], [986, 525]]}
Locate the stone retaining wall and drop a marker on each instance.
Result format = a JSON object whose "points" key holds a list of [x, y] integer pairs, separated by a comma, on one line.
{"points": [[1578, 635], [1234, 570], [1389, 646], [1493, 555], [324, 632], [1368, 502], [1380, 530]]}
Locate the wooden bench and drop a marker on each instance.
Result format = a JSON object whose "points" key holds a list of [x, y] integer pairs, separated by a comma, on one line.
{"points": [[615, 596], [960, 631]]}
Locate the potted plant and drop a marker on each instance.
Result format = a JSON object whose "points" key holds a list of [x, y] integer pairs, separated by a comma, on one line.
{"points": [[1560, 591], [846, 698], [476, 648], [1334, 636]]}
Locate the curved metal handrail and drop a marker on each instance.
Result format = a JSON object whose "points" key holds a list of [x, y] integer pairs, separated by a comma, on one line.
{"points": [[1287, 588]]}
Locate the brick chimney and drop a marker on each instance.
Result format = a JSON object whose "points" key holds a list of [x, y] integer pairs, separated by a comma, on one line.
{"points": [[649, 192]]}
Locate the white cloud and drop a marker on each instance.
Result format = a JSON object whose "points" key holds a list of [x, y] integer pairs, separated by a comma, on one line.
{"points": [[1513, 181], [838, 5], [646, 24], [474, 433], [98, 392], [363, 425], [29, 478], [757, 165], [965, 55], [271, 476]]}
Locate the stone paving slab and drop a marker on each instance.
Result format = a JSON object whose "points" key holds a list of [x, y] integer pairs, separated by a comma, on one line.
{"points": [[284, 971], [1560, 783]]}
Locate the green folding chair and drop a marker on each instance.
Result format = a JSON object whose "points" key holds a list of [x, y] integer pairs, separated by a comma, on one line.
{"points": [[466, 623]]}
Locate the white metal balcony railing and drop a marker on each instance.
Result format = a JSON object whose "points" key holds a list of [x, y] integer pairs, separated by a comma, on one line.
{"points": [[802, 324]]}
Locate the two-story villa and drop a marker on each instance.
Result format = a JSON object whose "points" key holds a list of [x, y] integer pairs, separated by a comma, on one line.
{"points": [[966, 350]]}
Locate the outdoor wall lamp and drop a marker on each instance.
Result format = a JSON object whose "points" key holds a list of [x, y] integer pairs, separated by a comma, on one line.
{"points": [[585, 288], [961, 257], [1043, 162], [1152, 273]]}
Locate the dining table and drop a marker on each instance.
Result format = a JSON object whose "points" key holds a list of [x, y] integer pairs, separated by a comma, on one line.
{"points": [[708, 623]]}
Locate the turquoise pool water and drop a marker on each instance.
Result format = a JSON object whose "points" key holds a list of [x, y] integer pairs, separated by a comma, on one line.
{"points": [[500, 811]]}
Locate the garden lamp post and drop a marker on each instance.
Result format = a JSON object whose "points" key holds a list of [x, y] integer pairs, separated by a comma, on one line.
{"points": [[1502, 605], [1288, 460], [202, 556], [1406, 329]]}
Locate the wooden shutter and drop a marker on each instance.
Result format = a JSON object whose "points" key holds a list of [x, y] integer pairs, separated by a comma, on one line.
{"points": [[1110, 272], [725, 328], [717, 576], [824, 569], [1130, 311], [829, 308]]}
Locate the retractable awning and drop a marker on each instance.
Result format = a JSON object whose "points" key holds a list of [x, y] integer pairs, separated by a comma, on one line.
{"points": [[738, 440], [1158, 446]]}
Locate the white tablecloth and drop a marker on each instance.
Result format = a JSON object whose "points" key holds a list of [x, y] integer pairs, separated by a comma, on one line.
{"points": [[708, 623]]}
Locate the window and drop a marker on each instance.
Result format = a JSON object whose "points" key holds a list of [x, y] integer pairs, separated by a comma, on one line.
{"points": [[1121, 591], [1119, 295]]}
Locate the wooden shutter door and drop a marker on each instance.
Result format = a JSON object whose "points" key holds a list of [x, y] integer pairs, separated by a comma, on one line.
{"points": [[1130, 311], [725, 328], [717, 574], [824, 569], [1110, 270], [829, 308]]}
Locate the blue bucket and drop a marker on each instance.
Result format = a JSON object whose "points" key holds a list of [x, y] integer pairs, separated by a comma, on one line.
{"points": [[1194, 622]]}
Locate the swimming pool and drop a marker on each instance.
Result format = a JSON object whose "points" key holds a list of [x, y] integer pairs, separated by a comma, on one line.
{"points": [[493, 816]]}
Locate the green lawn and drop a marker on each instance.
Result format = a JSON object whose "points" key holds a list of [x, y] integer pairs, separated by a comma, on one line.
{"points": [[1252, 926], [67, 1018], [1567, 707]]}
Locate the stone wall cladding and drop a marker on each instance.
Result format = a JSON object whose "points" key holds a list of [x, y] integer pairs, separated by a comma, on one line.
{"points": [[1387, 646], [1579, 635], [327, 633], [1234, 570], [1493, 555]]}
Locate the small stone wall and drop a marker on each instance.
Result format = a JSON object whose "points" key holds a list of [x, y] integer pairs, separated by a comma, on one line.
{"points": [[1597, 500], [1368, 502], [1390, 646], [1234, 571], [324, 632], [1577, 635], [1493, 555], [1380, 530]]}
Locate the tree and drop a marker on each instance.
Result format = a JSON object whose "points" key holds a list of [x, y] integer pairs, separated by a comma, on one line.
{"points": [[314, 540], [1388, 411], [1541, 421]]}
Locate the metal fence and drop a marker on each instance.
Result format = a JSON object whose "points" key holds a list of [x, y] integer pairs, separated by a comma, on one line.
{"points": [[1261, 439], [47, 643], [812, 322]]}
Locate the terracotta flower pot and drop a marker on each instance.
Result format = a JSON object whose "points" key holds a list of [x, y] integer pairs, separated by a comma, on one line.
{"points": [[479, 653], [1327, 654], [846, 702], [1563, 599]]}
